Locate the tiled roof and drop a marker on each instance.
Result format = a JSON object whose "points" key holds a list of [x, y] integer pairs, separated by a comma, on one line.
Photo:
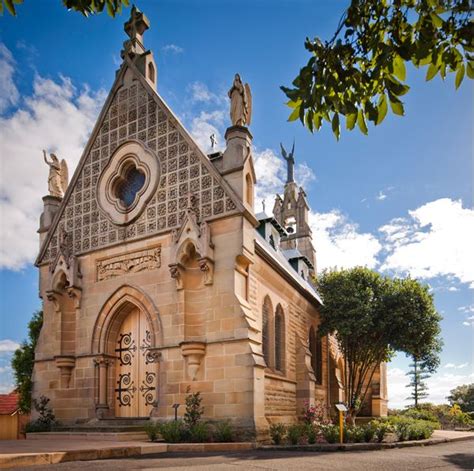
{"points": [[9, 403], [280, 259]]}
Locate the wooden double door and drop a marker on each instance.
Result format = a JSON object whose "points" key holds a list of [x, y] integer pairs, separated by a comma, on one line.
{"points": [[136, 375]]}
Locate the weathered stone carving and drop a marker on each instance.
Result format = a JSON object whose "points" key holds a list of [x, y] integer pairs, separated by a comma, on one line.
{"points": [[240, 103], [58, 175], [193, 352], [129, 263], [197, 234]]}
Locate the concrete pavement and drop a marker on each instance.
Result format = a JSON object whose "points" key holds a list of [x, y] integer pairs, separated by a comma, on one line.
{"points": [[447, 456]]}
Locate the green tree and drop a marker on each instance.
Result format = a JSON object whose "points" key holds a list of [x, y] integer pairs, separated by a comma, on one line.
{"points": [[86, 7], [418, 374], [463, 396], [372, 317], [361, 71], [23, 361]]}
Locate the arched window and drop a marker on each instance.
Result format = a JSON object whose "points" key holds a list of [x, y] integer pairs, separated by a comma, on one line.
{"points": [[151, 72], [316, 349], [249, 189], [279, 339], [266, 314]]}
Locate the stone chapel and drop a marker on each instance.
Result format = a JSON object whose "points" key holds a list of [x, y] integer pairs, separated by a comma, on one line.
{"points": [[158, 275]]}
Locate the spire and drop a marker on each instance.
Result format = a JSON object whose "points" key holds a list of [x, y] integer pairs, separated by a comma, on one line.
{"points": [[137, 24], [290, 161]]}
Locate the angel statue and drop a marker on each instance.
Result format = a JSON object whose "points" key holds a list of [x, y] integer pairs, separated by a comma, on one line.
{"points": [[290, 162], [58, 175], [240, 103]]}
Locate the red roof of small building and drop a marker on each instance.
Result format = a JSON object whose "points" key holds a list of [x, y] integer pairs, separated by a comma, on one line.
{"points": [[9, 403]]}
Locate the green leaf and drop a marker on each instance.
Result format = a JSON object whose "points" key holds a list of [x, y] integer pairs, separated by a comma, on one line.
{"points": [[470, 70], [10, 7], [437, 20], [399, 68], [293, 104], [351, 120], [397, 108], [382, 108], [431, 72], [459, 76], [295, 114], [317, 120], [336, 129], [361, 122]]}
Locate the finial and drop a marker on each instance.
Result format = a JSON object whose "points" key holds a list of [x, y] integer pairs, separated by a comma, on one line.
{"points": [[263, 204], [213, 139], [137, 24], [290, 161]]}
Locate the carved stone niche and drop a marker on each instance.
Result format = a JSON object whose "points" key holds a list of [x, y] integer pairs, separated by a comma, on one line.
{"points": [[199, 235], [193, 353], [65, 273]]}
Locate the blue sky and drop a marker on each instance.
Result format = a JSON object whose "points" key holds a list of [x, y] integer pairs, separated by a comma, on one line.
{"points": [[399, 200]]}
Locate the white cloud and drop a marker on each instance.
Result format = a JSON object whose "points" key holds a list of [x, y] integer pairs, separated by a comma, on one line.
{"points": [[56, 117], [5, 369], [439, 387], [8, 346], [434, 241], [200, 93], [381, 196], [339, 243], [456, 367], [205, 124], [172, 48], [469, 308], [8, 92], [469, 322]]}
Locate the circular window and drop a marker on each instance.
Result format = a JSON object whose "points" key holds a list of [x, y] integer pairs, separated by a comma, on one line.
{"points": [[127, 187], [128, 182]]}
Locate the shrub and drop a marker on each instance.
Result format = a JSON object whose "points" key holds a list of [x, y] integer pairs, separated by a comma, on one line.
{"points": [[330, 433], [173, 432], [369, 433], [313, 413], [199, 432], [223, 431], [381, 429], [422, 414], [310, 433], [277, 432], [46, 418], [152, 430], [295, 433], [355, 434], [407, 428], [194, 410]]}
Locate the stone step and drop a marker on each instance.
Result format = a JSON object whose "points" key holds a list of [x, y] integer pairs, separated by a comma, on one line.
{"points": [[129, 436]]}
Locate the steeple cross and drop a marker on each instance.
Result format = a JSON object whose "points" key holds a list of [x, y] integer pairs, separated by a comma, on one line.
{"points": [[136, 25]]}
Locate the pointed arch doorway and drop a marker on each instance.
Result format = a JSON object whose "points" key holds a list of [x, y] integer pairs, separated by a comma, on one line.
{"points": [[135, 373]]}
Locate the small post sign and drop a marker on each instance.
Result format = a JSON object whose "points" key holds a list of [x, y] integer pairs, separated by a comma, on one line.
{"points": [[175, 407], [341, 408]]}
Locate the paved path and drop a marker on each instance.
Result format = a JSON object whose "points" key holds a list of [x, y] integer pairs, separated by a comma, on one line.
{"points": [[449, 456]]}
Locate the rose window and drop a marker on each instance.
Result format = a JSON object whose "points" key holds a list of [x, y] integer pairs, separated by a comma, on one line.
{"points": [[128, 182], [127, 187]]}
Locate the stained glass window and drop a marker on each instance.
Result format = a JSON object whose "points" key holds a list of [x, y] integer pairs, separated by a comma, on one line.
{"points": [[130, 186]]}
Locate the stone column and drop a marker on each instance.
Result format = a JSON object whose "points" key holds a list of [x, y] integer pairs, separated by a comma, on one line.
{"points": [[102, 407], [51, 206]]}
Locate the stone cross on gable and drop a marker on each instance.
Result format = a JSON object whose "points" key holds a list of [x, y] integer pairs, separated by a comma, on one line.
{"points": [[135, 27], [137, 24]]}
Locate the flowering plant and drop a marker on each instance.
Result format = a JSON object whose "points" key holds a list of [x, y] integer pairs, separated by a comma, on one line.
{"points": [[314, 413]]}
